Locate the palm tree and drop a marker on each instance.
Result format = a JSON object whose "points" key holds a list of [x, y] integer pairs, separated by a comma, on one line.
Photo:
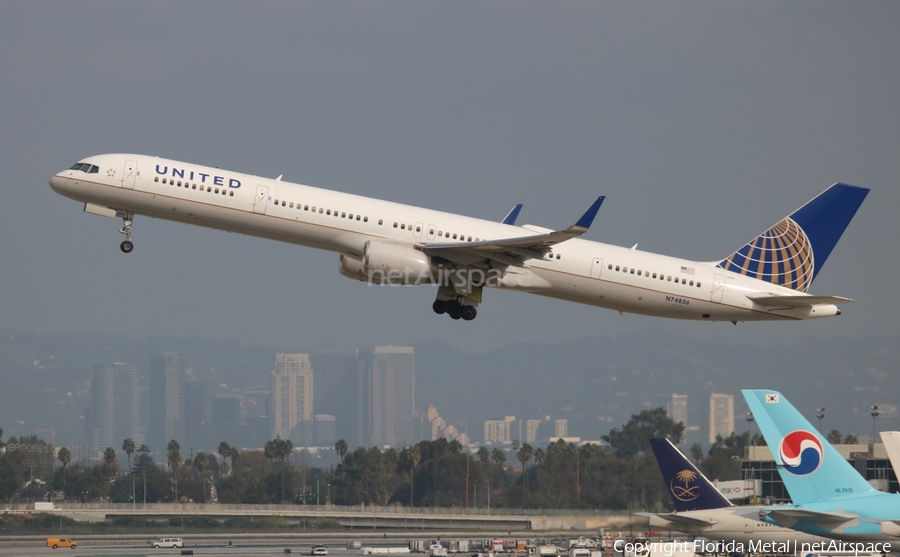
{"points": [[341, 449], [279, 449], [64, 456], [201, 461], [225, 451], [109, 457], [173, 457], [128, 447], [413, 455], [524, 454]]}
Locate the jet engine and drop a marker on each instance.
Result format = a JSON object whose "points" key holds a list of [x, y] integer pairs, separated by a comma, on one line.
{"points": [[385, 263]]}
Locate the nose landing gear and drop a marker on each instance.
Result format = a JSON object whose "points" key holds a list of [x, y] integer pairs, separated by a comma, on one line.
{"points": [[126, 246]]}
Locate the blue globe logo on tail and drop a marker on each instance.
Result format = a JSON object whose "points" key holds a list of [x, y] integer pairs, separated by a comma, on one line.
{"points": [[782, 255], [801, 452]]}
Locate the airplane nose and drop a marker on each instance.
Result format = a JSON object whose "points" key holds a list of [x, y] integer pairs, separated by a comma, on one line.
{"points": [[58, 183]]}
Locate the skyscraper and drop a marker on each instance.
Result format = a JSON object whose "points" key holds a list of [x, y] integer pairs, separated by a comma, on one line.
{"points": [[292, 398], [114, 406], [721, 416], [387, 389], [336, 373], [676, 408], [167, 377]]}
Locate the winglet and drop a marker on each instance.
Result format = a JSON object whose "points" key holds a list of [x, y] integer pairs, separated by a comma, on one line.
{"points": [[588, 217], [511, 217]]}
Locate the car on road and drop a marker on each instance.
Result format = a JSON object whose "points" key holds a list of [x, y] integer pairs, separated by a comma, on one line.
{"points": [[167, 542], [318, 550]]}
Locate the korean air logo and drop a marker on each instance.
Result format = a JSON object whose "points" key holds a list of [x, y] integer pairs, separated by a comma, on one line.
{"points": [[801, 453]]}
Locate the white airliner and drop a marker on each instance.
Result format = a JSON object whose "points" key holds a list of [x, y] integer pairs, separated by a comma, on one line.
{"points": [[701, 510], [389, 243]]}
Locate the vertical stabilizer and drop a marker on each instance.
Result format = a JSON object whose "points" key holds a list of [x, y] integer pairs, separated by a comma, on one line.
{"points": [[812, 470], [688, 487], [792, 252]]}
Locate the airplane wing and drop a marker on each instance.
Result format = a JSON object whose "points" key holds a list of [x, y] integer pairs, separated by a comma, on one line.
{"points": [[680, 518], [512, 251], [789, 517], [769, 299]]}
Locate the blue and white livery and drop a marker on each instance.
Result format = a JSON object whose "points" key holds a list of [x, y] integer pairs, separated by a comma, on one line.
{"points": [[829, 497], [381, 242]]}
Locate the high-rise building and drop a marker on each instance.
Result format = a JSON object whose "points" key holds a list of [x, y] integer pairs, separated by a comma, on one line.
{"points": [[325, 433], [498, 431], [167, 376], [676, 408], [197, 431], [113, 415], [721, 416], [562, 427], [336, 372], [226, 410], [292, 398], [387, 401], [532, 431]]}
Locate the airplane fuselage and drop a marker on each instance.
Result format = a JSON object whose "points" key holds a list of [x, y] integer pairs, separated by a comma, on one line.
{"points": [[740, 524], [577, 270]]}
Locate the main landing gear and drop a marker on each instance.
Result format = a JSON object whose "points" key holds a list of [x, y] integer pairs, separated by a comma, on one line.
{"points": [[127, 246], [454, 309]]}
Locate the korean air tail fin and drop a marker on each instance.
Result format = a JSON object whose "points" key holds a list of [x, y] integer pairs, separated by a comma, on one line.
{"points": [[811, 469], [688, 487], [791, 253]]}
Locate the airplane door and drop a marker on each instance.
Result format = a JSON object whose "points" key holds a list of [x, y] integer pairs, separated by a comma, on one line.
{"points": [[718, 290], [417, 231], [596, 267], [431, 231], [262, 200], [129, 174]]}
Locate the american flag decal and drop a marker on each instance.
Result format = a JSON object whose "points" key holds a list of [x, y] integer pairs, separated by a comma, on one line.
{"points": [[687, 270]]}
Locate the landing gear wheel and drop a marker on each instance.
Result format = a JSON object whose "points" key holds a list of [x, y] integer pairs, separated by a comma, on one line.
{"points": [[439, 307], [126, 246], [454, 310], [469, 312]]}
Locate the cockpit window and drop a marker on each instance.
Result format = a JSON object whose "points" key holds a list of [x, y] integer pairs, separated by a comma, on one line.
{"points": [[85, 167]]}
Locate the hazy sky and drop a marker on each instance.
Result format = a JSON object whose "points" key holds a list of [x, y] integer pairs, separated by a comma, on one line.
{"points": [[702, 122]]}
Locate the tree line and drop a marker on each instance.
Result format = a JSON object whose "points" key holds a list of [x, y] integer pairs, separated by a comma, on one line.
{"points": [[621, 474]]}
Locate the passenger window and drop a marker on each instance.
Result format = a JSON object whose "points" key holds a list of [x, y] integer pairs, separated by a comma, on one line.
{"points": [[402, 227], [343, 215], [558, 256], [698, 284], [691, 283], [610, 267], [683, 281], [328, 212], [654, 275], [208, 189], [164, 181], [179, 183], [632, 271], [419, 229], [469, 239], [617, 267], [306, 208], [357, 217], [669, 279], [231, 194], [276, 202], [321, 210], [366, 219], [624, 269], [454, 236], [350, 216], [156, 179], [396, 225], [194, 186], [291, 205]]}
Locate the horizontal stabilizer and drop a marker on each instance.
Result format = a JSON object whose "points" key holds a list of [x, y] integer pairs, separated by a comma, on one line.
{"points": [[683, 518], [796, 301], [788, 517]]}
